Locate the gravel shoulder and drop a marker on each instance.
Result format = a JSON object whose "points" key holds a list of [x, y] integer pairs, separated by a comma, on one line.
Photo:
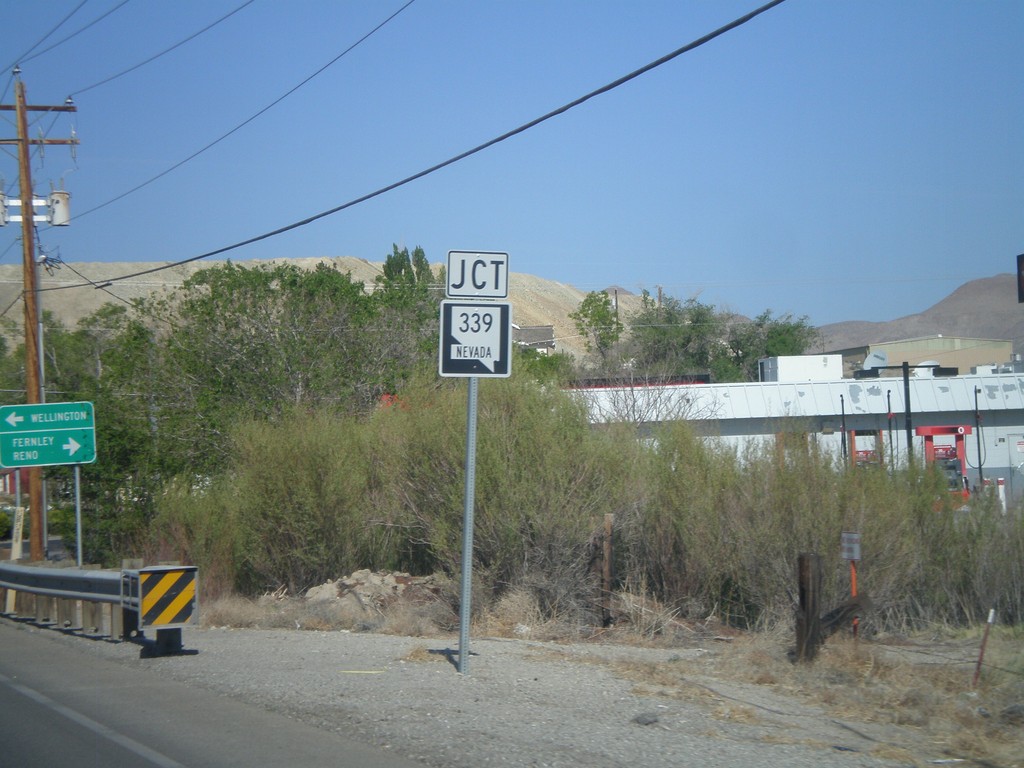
{"points": [[523, 703]]}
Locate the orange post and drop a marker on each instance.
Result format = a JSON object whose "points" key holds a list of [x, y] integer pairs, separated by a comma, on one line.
{"points": [[853, 591]]}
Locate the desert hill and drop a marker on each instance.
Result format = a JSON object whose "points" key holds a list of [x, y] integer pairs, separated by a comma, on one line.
{"points": [[980, 309], [984, 308], [535, 301]]}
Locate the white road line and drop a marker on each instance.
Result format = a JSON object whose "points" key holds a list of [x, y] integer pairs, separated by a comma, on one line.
{"points": [[98, 728]]}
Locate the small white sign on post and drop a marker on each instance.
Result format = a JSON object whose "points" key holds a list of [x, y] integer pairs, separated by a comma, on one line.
{"points": [[17, 533], [477, 275], [850, 544], [16, 553], [476, 339]]}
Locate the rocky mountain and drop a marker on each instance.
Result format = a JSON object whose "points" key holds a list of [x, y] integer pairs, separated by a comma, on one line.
{"points": [[980, 309], [985, 308]]}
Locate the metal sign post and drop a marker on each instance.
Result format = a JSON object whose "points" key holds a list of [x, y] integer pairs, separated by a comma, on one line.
{"points": [[78, 514], [467, 527], [475, 341]]}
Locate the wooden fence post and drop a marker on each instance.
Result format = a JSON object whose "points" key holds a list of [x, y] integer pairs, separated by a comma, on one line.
{"points": [[808, 618], [606, 572]]}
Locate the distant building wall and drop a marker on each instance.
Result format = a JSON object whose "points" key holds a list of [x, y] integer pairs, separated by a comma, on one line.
{"points": [[800, 368], [539, 337], [829, 412], [950, 351]]}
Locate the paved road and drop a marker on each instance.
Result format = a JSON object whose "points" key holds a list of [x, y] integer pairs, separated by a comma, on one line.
{"points": [[55, 549], [59, 707]]}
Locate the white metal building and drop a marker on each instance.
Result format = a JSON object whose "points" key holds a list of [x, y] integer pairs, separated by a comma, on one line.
{"points": [[833, 412]]}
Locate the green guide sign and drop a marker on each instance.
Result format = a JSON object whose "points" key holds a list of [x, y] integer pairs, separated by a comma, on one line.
{"points": [[47, 434]]}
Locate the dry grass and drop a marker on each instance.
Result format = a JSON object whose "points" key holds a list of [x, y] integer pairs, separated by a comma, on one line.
{"points": [[421, 654], [922, 700], [736, 714], [915, 691], [915, 695], [517, 613], [645, 615], [278, 612]]}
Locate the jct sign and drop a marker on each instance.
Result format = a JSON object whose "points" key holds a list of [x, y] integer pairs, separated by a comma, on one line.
{"points": [[477, 275]]}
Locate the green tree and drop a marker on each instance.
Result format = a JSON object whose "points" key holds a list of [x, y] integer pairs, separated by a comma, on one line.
{"points": [[255, 342], [597, 320], [768, 336], [171, 377], [555, 368], [675, 337], [100, 361], [404, 325], [401, 268], [12, 368], [421, 267]]}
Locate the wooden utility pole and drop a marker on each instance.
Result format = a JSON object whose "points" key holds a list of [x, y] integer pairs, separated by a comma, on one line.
{"points": [[33, 378]]}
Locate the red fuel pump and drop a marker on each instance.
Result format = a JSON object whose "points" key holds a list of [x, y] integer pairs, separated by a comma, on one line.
{"points": [[951, 458]]}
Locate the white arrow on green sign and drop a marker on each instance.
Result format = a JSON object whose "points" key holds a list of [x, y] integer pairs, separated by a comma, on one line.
{"points": [[47, 434]]}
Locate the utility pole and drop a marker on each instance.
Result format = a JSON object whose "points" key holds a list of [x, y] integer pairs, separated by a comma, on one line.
{"points": [[977, 436], [907, 413], [33, 361]]}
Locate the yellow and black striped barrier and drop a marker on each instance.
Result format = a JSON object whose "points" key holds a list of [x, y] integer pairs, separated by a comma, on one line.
{"points": [[167, 596], [125, 604], [160, 597]]}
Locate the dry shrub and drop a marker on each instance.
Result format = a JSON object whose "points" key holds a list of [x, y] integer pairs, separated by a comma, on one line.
{"points": [[270, 612], [925, 695], [411, 618], [734, 713], [418, 619], [926, 687], [421, 654], [718, 532], [645, 614], [668, 680], [700, 530], [231, 611], [517, 613], [196, 525]]}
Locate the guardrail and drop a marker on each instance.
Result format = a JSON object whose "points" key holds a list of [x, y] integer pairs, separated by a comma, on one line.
{"points": [[118, 604]]}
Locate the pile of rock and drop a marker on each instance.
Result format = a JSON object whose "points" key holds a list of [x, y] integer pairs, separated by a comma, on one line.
{"points": [[368, 592]]}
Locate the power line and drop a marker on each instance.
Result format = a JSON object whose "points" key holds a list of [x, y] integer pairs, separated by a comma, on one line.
{"points": [[153, 58], [39, 42], [9, 306], [97, 285], [75, 33], [130, 69], [9, 246], [248, 120], [462, 156]]}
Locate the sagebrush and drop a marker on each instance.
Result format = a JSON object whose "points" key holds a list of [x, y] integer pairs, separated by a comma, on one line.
{"points": [[707, 530]]}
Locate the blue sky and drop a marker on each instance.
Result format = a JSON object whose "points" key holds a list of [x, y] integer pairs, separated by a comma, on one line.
{"points": [[839, 159]]}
